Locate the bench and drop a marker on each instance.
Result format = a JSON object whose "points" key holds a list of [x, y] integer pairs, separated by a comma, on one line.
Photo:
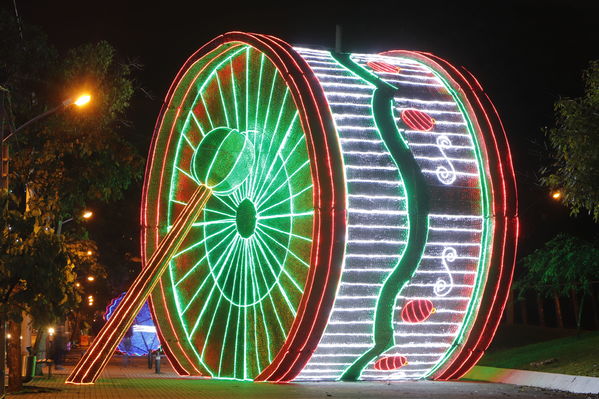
{"points": [[40, 363]]}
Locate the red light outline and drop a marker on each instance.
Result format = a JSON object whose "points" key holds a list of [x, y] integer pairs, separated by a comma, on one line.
{"points": [[417, 310], [417, 120]]}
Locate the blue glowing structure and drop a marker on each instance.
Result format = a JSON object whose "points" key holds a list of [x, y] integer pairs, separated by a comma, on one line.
{"points": [[142, 338]]}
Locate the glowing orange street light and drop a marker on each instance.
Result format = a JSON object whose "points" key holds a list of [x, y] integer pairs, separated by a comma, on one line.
{"points": [[87, 214], [90, 278], [556, 195], [82, 100], [89, 252]]}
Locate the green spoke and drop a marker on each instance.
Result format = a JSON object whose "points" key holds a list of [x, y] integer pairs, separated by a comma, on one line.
{"points": [[281, 289], [188, 141], [221, 221], [218, 212], [206, 255], [241, 285], [270, 296], [247, 87], [245, 311], [285, 183], [254, 290], [235, 196], [213, 289], [274, 132], [197, 122], [220, 297], [260, 211], [222, 99], [186, 174], [284, 247], [178, 202], [257, 191], [234, 93], [224, 344], [198, 263], [295, 284], [260, 197], [286, 215], [200, 242], [218, 197], [262, 57], [265, 126], [207, 111], [255, 279], [284, 232]]}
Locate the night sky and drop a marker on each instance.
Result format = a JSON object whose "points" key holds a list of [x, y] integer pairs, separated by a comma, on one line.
{"points": [[525, 56]]}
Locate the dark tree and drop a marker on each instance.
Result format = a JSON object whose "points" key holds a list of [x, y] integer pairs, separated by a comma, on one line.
{"points": [[574, 145], [59, 165]]}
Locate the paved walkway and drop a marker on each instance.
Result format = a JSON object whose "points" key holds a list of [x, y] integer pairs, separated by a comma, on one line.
{"points": [[137, 381]]}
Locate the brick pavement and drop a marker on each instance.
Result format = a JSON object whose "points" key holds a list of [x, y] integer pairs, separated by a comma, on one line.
{"points": [[136, 381]]}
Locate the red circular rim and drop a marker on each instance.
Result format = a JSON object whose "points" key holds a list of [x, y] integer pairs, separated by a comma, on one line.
{"points": [[329, 202]]}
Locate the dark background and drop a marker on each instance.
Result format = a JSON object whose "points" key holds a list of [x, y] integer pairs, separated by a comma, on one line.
{"points": [[526, 55]]}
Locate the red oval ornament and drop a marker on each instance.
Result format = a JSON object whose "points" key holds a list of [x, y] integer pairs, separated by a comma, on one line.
{"points": [[417, 120], [379, 66], [417, 311], [390, 363]]}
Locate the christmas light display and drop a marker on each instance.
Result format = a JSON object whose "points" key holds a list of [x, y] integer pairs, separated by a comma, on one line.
{"points": [[362, 224], [143, 339]]}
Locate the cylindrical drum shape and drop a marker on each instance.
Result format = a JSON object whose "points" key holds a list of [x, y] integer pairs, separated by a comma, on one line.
{"points": [[368, 231]]}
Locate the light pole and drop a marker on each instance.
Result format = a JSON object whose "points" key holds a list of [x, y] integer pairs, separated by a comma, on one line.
{"points": [[87, 214], [78, 101]]}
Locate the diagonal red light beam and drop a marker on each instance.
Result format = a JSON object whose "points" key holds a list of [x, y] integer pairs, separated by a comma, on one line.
{"points": [[100, 351]]}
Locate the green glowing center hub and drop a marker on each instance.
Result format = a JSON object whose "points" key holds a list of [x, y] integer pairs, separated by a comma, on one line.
{"points": [[246, 218]]}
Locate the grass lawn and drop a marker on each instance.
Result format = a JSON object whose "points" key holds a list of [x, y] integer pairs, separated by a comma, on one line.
{"points": [[559, 351]]}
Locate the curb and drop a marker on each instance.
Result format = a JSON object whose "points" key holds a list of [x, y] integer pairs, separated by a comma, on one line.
{"points": [[562, 382]]}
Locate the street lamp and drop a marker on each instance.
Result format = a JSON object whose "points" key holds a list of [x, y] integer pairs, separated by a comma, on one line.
{"points": [[85, 215], [556, 195], [78, 101]]}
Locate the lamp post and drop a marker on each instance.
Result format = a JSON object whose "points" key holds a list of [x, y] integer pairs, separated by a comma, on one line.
{"points": [[78, 101], [86, 215]]}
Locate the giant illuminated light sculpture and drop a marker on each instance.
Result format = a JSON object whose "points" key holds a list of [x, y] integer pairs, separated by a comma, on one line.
{"points": [[359, 220]]}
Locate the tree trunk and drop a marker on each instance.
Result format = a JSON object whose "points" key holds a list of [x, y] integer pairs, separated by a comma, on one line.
{"points": [[15, 382], [558, 311], [76, 330], [3, 332], [523, 311], [579, 315], [575, 305], [39, 337], [541, 310]]}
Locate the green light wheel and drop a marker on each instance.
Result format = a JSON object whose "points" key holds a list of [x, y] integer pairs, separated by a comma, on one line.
{"points": [[248, 281]]}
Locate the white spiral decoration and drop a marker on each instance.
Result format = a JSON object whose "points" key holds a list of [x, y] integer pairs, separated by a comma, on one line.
{"points": [[443, 286]]}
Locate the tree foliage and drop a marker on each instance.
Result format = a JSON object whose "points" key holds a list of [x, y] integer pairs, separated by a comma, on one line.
{"points": [[565, 264], [62, 163], [36, 274], [574, 143]]}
